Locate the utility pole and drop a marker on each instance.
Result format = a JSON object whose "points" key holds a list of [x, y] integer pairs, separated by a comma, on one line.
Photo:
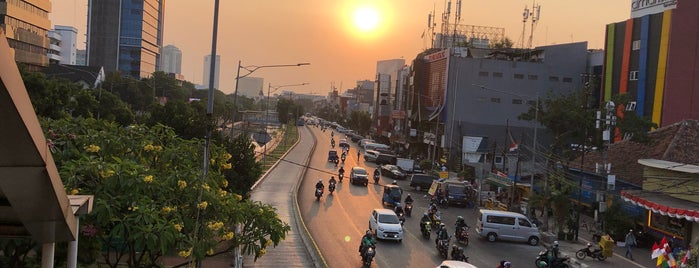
{"points": [[609, 122]]}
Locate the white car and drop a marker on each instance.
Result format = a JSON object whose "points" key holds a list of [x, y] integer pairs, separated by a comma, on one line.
{"points": [[370, 156], [384, 223], [456, 264], [364, 141]]}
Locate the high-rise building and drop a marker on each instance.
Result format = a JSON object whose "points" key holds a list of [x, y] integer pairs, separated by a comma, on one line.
{"points": [[68, 43], [81, 57], [54, 49], [172, 60], [125, 36], [207, 67], [26, 24]]}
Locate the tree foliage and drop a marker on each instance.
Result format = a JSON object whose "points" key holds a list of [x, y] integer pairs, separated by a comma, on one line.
{"points": [[246, 169], [150, 196], [360, 121], [288, 109]]}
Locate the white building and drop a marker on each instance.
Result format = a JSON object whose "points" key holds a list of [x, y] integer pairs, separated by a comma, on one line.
{"points": [[69, 43], [81, 57], [207, 67], [172, 60]]}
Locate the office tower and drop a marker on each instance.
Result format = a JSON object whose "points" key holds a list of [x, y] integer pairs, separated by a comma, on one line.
{"points": [[207, 67], [81, 57], [69, 43], [172, 60], [26, 24], [125, 36]]}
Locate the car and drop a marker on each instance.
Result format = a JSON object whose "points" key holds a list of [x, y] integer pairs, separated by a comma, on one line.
{"points": [[505, 225], [458, 193], [392, 195], [343, 143], [332, 156], [356, 137], [385, 159], [422, 181], [358, 175], [370, 156], [455, 264], [384, 223], [363, 142], [393, 171], [384, 151]]}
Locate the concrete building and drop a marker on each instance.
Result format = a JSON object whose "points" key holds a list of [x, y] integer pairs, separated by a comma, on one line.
{"points": [[387, 78], [54, 49], [128, 41], [250, 87], [69, 43], [207, 68], [172, 60], [26, 25], [81, 57], [653, 57]]}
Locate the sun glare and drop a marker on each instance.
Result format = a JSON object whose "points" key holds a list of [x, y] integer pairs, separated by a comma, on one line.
{"points": [[366, 19]]}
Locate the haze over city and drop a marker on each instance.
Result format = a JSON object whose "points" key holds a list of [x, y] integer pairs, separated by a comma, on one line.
{"points": [[342, 44]]}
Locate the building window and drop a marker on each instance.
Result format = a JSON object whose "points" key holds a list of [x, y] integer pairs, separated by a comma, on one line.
{"points": [[633, 75], [519, 76], [516, 101], [496, 100], [499, 75], [483, 74], [532, 103], [553, 78], [533, 77], [567, 80], [636, 45]]}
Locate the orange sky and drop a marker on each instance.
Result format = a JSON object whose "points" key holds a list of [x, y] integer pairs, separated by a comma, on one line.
{"points": [[269, 32]]}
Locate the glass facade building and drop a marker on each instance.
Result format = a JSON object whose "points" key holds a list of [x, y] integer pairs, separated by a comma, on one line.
{"points": [[128, 41]]}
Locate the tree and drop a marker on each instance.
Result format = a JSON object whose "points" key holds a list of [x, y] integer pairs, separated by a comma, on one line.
{"points": [[360, 121], [502, 43], [246, 169], [150, 196]]}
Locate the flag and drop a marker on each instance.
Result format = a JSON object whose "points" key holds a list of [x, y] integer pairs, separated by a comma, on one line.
{"points": [[514, 146], [657, 251], [685, 259], [661, 261], [671, 260]]}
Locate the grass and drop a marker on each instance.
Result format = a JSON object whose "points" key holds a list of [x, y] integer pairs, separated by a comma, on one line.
{"points": [[290, 137]]}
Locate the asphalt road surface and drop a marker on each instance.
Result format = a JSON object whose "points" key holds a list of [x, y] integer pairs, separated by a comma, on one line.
{"points": [[338, 221]]}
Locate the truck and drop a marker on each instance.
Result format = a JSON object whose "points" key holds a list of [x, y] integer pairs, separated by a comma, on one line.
{"points": [[406, 164]]}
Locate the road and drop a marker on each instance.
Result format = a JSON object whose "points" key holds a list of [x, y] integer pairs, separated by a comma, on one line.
{"points": [[338, 221]]}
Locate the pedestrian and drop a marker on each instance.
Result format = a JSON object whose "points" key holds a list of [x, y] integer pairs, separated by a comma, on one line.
{"points": [[629, 242]]}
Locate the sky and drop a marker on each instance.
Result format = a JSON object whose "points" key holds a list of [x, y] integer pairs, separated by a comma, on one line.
{"points": [[324, 33]]}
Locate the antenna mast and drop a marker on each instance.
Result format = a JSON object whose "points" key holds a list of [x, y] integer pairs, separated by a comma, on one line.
{"points": [[536, 11], [445, 25], [525, 16], [457, 18]]}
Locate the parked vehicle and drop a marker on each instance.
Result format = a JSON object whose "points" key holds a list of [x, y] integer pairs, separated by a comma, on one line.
{"points": [[504, 225], [392, 195], [457, 193], [393, 172], [589, 252], [542, 261], [370, 156], [358, 175], [343, 143], [362, 142], [372, 146], [383, 159], [385, 224], [422, 181], [405, 164]]}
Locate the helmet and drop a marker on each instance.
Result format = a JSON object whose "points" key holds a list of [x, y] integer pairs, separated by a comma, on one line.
{"points": [[453, 246], [507, 264], [395, 182], [320, 180], [555, 243], [589, 244], [332, 177], [424, 214], [459, 218], [368, 232], [408, 194], [442, 225]]}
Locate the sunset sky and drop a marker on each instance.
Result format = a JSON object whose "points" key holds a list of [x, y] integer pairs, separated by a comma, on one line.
{"points": [[342, 45]]}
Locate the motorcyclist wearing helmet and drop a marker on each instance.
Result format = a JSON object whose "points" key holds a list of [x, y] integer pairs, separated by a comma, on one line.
{"points": [[460, 222], [408, 199], [367, 240], [554, 256], [425, 218], [376, 173], [332, 180], [505, 264], [457, 253], [320, 185], [442, 233], [399, 209]]}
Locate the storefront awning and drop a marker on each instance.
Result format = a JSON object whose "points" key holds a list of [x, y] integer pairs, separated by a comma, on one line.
{"points": [[663, 204]]}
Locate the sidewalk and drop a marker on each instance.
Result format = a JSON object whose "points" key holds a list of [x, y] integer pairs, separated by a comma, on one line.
{"points": [[641, 256]]}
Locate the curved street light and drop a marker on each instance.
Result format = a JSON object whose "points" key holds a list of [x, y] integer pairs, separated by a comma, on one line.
{"points": [[269, 87], [251, 69]]}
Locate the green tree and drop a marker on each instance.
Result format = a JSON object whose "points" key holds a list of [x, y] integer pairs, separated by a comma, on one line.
{"points": [[502, 43], [284, 107], [360, 121], [150, 196], [246, 169]]}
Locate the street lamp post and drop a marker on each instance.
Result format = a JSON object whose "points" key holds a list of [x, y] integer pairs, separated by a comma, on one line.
{"points": [[269, 88], [251, 69]]}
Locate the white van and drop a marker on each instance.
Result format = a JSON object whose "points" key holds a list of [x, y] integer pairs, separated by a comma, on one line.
{"points": [[374, 146], [505, 225]]}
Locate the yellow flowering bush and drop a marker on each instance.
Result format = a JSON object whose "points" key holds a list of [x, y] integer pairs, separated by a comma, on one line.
{"points": [[206, 186], [92, 148], [178, 227], [203, 205], [228, 236], [74, 191], [181, 184], [167, 209], [227, 166], [148, 179], [215, 226], [185, 253], [106, 173], [148, 147]]}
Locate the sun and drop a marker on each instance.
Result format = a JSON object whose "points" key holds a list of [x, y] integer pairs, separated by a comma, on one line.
{"points": [[366, 19]]}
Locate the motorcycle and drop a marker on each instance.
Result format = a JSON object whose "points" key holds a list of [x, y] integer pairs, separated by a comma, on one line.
{"points": [[426, 229], [369, 256], [443, 248], [408, 209], [401, 218], [443, 202], [589, 252], [343, 157], [457, 254], [377, 176], [542, 261], [331, 187], [436, 219], [340, 176], [319, 193], [462, 235]]}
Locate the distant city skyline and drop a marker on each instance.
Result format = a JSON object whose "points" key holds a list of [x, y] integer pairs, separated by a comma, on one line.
{"points": [[217, 71], [319, 32]]}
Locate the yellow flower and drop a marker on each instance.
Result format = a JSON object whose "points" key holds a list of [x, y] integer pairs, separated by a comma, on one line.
{"points": [[158, 148], [227, 166], [206, 186], [215, 226], [178, 227], [74, 191], [228, 236], [202, 205], [92, 148], [224, 183], [269, 242], [185, 253], [227, 156], [238, 197], [182, 184], [133, 208], [106, 174], [148, 147], [262, 252], [148, 179], [167, 209], [212, 161], [222, 193], [210, 251]]}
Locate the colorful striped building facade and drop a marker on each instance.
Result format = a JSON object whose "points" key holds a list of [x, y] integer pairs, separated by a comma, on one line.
{"points": [[655, 59]]}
